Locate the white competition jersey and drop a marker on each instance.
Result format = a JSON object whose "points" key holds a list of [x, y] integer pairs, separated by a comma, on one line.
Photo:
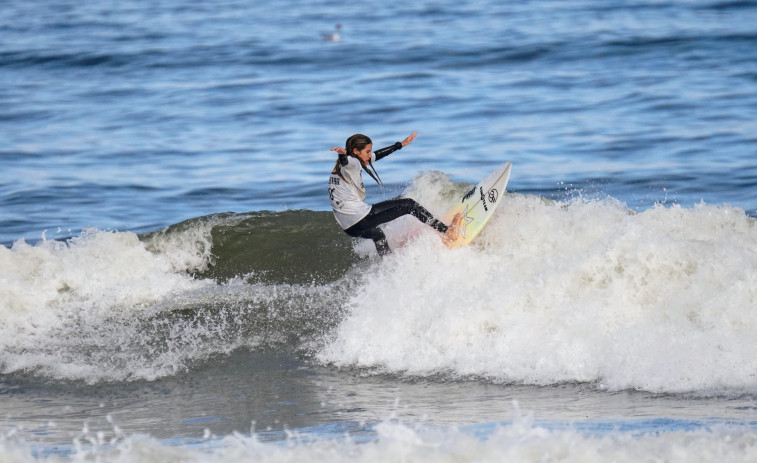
{"points": [[347, 197]]}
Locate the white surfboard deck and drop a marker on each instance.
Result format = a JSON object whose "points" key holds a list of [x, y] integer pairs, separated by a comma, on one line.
{"points": [[478, 205]]}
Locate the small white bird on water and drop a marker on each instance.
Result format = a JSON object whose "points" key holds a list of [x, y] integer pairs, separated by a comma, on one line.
{"points": [[333, 37]]}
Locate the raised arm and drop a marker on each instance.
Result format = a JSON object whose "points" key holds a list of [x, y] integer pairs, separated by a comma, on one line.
{"points": [[386, 151], [342, 154]]}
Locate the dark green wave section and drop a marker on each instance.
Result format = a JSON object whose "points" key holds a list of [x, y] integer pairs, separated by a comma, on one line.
{"points": [[296, 246]]}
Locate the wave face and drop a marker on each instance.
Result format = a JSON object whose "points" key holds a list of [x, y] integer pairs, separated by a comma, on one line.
{"points": [[583, 290]]}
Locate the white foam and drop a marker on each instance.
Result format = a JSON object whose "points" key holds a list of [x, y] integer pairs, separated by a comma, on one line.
{"points": [[521, 441], [54, 294], [661, 300], [95, 269], [105, 306]]}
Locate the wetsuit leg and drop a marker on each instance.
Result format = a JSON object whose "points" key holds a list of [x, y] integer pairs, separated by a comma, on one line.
{"points": [[375, 234], [387, 211]]}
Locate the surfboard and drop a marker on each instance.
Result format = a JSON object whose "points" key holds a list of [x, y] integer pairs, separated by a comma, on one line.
{"points": [[478, 204]]}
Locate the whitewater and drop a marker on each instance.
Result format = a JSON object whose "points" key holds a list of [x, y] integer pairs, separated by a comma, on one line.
{"points": [[587, 290]]}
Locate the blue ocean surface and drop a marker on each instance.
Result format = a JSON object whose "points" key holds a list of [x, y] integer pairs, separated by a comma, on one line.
{"points": [[173, 284]]}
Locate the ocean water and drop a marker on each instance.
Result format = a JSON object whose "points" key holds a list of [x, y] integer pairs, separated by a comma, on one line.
{"points": [[173, 286]]}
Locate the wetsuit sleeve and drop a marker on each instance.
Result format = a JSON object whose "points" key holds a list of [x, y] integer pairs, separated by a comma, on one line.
{"points": [[343, 159], [384, 152]]}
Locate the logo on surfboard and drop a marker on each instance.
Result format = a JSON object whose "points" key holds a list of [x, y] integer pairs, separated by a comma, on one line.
{"points": [[483, 201], [468, 194], [493, 194]]}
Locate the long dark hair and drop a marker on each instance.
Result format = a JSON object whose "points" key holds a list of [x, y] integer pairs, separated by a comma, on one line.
{"points": [[357, 142]]}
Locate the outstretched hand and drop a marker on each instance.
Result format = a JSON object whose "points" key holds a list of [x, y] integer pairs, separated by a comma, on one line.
{"points": [[339, 150], [409, 139]]}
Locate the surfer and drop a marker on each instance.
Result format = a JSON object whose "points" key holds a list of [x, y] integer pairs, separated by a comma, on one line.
{"points": [[347, 195]]}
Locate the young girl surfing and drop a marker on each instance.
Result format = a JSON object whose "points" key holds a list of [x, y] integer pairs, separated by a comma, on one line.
{"points": [[347, 195]]}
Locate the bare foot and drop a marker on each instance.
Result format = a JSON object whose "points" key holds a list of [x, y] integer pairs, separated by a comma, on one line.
{"points": [[453, 230]]}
